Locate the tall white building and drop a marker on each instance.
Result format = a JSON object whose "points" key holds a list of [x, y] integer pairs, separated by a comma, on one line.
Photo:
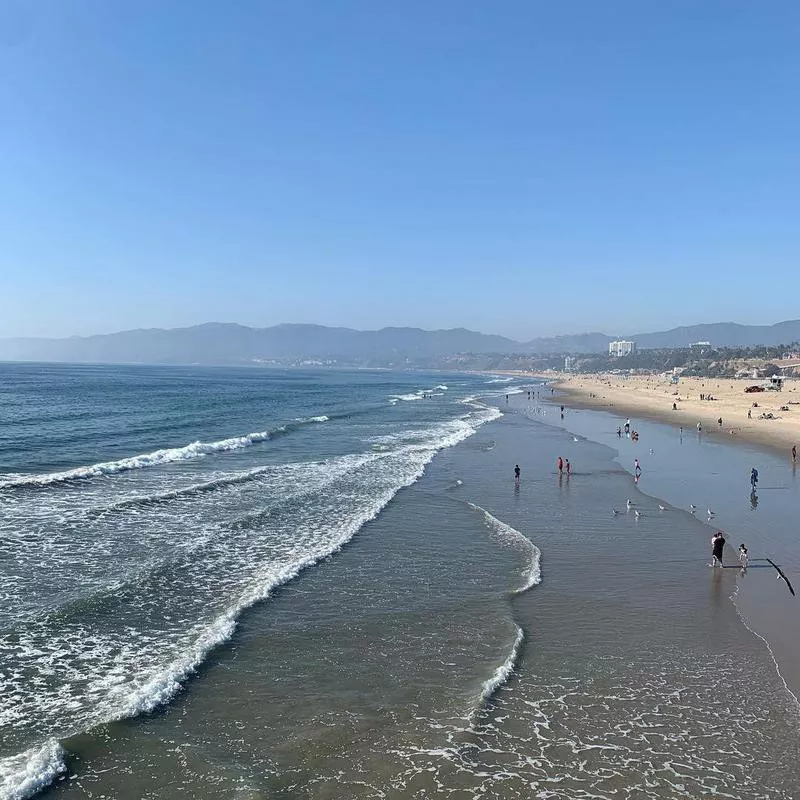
{"points": [[621, 348]]}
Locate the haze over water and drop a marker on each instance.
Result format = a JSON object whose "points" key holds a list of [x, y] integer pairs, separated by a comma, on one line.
{"points": [[215, 584]]}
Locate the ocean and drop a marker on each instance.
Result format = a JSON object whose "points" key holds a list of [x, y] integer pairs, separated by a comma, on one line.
{"points": [[262, 583]]}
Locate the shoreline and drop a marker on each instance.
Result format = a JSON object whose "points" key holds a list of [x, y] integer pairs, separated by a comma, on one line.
{"points": [[652, 397], [764, 607]]}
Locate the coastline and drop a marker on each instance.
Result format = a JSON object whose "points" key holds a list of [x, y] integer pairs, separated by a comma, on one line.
{"points": [[652, 397], [764, 606]]}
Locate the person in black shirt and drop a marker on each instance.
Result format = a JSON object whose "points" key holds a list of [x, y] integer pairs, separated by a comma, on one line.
{"points": [[516, 475], [717, 545]]}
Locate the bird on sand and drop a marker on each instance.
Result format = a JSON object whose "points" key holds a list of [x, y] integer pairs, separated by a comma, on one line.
{"points": [[661, 508], [692, 508]]}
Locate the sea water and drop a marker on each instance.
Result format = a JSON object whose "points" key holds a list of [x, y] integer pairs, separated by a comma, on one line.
{"points": [[295, 584]]}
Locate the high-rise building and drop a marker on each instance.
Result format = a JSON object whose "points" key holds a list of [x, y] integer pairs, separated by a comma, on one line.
{"points": [[621, 348]]}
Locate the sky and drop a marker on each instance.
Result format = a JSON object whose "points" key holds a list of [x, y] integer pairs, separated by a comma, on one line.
{"points": [[523, 168]]}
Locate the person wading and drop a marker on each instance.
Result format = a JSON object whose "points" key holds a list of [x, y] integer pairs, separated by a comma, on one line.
{"points": [[717, 546]]}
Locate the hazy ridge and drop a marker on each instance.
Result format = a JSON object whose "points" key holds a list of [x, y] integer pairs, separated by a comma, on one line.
{"points": [[224, 343]]}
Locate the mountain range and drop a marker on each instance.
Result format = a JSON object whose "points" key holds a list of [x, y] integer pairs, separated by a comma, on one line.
{"points": [[223, 343]]}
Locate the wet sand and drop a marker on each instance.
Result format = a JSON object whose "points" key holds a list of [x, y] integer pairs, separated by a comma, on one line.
{"points": [[711, 472]]}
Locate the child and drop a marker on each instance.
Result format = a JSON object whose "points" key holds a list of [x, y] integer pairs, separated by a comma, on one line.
{"points": [[743, 556]]}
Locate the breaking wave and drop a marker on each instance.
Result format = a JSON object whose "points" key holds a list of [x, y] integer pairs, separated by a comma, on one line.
{"points": [[27, 773], [504, 671], [533, 573], [156, 458]]}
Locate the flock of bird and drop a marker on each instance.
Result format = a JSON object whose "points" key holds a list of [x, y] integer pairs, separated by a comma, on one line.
{"points": [[630, 505]]}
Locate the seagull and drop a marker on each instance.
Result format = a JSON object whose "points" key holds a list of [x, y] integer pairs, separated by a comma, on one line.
{"points": [[652, 451], [692, 508], [575, 439], [614, 512], [711, 513], [629, 505], [637, 513], [661, 508]]}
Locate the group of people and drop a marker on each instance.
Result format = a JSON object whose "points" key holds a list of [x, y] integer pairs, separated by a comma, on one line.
{"points": [[634, 436], [562, 465], [718, 545]]}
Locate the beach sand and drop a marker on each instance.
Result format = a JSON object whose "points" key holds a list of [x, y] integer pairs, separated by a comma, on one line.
{"points": [[653, 397]]}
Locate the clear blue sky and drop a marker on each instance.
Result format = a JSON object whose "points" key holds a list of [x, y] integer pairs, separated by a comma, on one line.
{"points": [[523, 168]]}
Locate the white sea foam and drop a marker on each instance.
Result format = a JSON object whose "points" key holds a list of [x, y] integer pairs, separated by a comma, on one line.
{"points": [[533, 574], [27, 773], [112, 678], [156, 458], [504, 671], [500, 380], [159, 687], [321, 418]]}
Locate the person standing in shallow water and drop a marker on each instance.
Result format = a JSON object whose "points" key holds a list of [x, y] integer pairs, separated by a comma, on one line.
{"points": [[560, 465], [717, 546], [569, 468], [516, 475]]}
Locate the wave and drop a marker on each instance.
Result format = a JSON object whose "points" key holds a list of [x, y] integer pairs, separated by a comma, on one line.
{"points": [[501, 380], [173, 494], [504, 671], [533, 576], [420, 394], [159, 687], [407, 397], [168, 455], [27, 773]]}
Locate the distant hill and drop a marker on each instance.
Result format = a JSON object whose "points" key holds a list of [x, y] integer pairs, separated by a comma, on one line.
{"points": [[576, 343], [222, 343], [723, 334], [219, 343]]}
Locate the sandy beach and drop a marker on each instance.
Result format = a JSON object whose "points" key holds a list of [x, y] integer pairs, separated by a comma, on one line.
{"points": [[654, 397]]}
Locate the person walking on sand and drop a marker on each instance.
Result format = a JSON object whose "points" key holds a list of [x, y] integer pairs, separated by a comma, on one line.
{"points": [[516, 475], [794, 454], [560, 465], [717, 546], [754, 478]]}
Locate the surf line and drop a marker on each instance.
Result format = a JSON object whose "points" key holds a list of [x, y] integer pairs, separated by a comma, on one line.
{"points": [[533, 576], [782, 574]]}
